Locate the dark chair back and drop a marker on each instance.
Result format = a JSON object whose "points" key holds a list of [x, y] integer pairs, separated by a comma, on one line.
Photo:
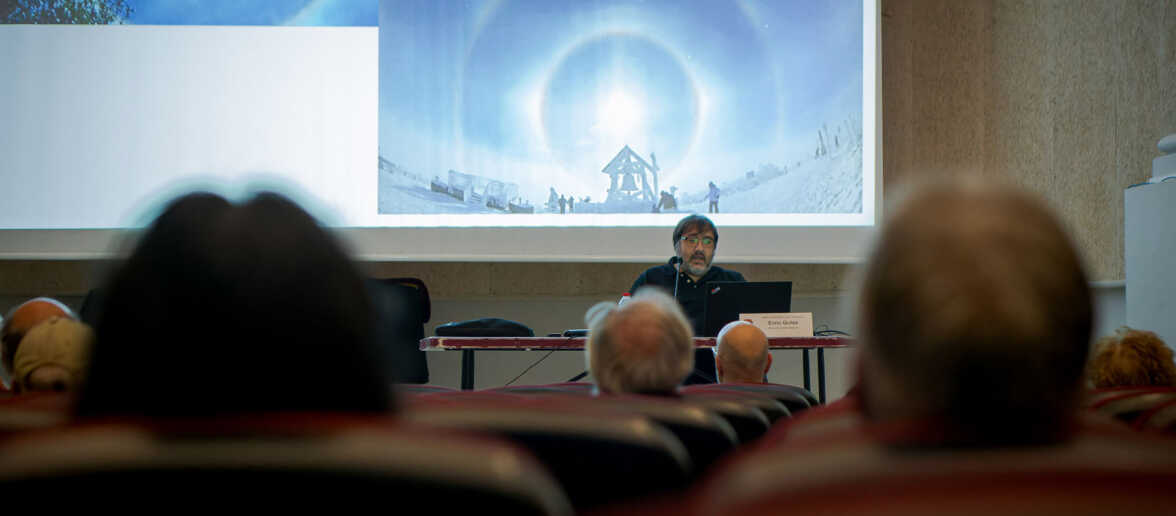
{"points": [[402, 308], [1129, 405], [771, 407], [706, 435], [280, 466], [599, 457], [92, 306], [1161, 418], [1095, 473], [749, 422], [34, 411], [797, 399]]}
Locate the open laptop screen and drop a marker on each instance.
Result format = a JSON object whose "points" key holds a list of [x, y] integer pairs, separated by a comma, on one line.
{"points": [[725, 300]]}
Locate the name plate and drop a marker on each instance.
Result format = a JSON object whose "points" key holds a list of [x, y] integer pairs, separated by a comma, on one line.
{"points": [[798, 324]]}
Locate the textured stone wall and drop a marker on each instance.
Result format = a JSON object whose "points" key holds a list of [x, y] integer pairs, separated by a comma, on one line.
{"points": [[1064, 97]]}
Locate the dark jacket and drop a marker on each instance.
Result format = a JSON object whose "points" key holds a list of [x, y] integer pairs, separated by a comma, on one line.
{"points": [[691, 295]]}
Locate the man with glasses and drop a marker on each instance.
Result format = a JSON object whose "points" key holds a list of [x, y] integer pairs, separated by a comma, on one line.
{"points": [[695, 240]]}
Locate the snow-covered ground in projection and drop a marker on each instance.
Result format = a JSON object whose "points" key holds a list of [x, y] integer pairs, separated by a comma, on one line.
{"points": [[827, 183]]}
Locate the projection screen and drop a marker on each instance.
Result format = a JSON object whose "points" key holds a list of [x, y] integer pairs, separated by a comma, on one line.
{"points": [[452, 130]]}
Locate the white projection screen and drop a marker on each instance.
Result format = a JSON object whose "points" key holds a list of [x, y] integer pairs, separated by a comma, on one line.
{"points": [[452, 130]]}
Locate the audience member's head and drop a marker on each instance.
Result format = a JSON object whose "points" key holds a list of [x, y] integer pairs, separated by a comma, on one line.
{"points": [[645, 346], [975, 312], [1131, 358], [52, 356], [741, 353], [224, 309], [19, 321]]}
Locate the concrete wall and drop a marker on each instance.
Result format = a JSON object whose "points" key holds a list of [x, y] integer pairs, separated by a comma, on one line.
{"points": [[1065, 97]]}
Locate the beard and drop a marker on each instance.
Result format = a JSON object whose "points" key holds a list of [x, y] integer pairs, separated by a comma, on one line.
{"points": [[697, 270]]}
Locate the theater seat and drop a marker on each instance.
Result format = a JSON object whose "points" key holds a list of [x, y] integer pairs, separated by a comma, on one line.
{"points": [[1127, 406], [34, 411], [771, 407], [327, 460], [706, 435], [797, 399], [599, 456], [1096, 473], [1099, 396], [1161, 418], [749, 422]]}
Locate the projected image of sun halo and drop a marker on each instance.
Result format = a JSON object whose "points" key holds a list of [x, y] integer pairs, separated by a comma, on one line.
{"points": [[540, 107]]}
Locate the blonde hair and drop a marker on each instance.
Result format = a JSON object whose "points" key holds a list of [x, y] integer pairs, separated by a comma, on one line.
{"points": [[1131, 358]]}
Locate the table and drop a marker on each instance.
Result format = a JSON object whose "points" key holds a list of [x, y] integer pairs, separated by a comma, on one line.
{"points": [[468, 345]]}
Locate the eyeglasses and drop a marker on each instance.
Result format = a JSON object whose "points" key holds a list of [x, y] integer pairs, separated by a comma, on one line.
{"points": [[693, 240]]}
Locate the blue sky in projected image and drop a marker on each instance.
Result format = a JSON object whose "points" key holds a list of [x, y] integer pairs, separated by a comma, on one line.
{"points": [[255, 12], [712, 87]]}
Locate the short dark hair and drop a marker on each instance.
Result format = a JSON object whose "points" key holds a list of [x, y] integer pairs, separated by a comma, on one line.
{"points": [[235, 309], [976, 298], [696, 222]]}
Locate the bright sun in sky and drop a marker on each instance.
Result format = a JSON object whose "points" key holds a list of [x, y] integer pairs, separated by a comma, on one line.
{"points": [[619, 113]]}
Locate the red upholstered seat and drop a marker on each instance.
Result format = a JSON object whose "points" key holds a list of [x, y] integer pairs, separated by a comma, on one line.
{"points": [[1098, 396], [283, 461], [706, 435], [34, 411], [1101, 470], [1128, 404], [769, 405], [600, 455], [1161, 418], [795, 398]]}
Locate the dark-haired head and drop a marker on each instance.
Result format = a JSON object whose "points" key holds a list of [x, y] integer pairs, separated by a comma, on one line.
{"points": [[224, 309], [694, 223], [975, 311]]}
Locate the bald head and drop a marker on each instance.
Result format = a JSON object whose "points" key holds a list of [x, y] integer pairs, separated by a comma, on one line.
{"points": [[52, 356], [645, 346], [19, 321], [741, 353]]}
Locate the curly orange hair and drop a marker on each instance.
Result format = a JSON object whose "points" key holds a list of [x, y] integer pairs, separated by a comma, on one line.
{"points": [[1131, 358]]}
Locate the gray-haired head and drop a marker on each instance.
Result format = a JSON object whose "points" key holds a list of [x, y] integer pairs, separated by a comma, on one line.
{"points": [[645, 346]]}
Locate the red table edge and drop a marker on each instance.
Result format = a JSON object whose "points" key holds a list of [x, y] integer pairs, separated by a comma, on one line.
{"points": [[573, 343]]}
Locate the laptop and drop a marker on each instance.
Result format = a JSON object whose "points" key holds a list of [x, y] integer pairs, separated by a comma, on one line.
{"points": [[725, 300]]}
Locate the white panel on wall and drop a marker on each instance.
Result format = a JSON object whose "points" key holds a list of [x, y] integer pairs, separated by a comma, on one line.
{"points": [[1150, 254]]}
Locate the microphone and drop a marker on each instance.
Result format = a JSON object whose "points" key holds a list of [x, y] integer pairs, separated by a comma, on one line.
{"points": [[677, 262]]}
